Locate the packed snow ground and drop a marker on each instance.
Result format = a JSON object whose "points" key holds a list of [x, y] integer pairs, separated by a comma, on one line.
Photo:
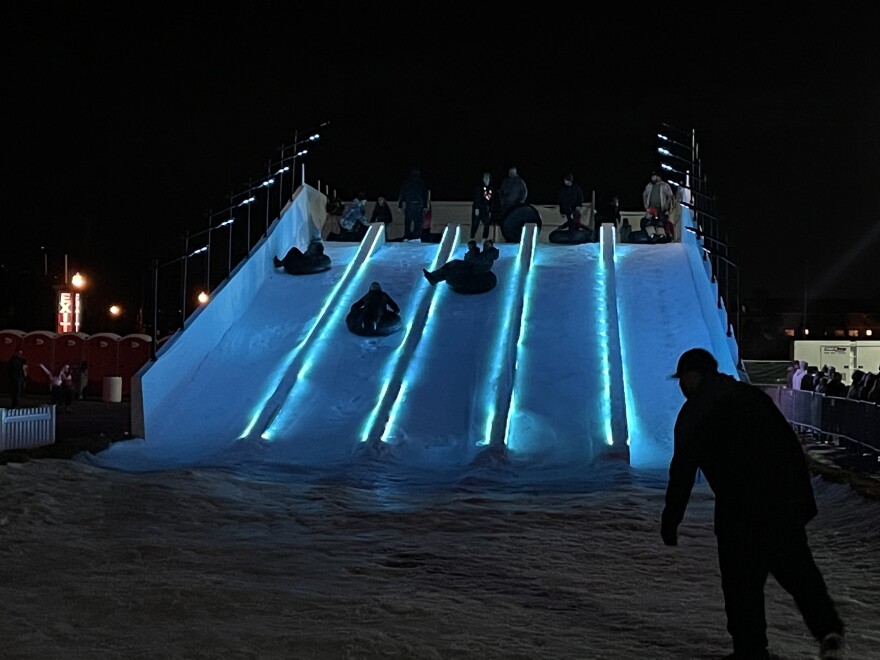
{"points": [[203, 547]]}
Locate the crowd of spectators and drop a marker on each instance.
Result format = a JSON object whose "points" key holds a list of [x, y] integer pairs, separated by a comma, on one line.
{"points": [[865, 385]]}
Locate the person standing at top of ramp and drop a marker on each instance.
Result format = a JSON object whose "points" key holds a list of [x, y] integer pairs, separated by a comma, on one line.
{"points": [[481, 206], [658, 194], [413, 200], [755, 465], [513, 191], [571, 199]]}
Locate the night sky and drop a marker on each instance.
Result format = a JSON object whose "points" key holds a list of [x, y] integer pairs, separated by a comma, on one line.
{"points": [[124, 127]]}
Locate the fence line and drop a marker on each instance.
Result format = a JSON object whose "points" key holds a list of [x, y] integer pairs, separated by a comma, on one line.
{"points": [[851, 419], [25, 428]]}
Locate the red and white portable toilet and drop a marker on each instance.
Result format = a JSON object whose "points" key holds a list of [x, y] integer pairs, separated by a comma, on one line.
{"points": [[70, 348], [134, 351], [103, 352], [10, 341], [39, 348]]}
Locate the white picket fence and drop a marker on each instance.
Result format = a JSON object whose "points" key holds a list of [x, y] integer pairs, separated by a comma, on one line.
{"points": [[23, 428]]}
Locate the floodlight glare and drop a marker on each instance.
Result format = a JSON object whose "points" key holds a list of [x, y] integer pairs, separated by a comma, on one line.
{"points": [[301, 153], [249, 200]]}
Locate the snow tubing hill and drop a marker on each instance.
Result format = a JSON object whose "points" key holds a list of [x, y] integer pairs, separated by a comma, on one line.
{"points": [[570, 237], [477, 283], [388, 324], [516, 218]]}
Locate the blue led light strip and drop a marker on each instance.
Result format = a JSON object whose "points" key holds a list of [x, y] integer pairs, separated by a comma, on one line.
{"points": [[287, 373], [528, 293], [615, 402]]}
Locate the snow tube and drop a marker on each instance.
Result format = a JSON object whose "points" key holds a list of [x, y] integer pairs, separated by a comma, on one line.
{"points": [[640, 236], [388, 324], [477, 283], [516, 218], [307, 265], [571, 236]]}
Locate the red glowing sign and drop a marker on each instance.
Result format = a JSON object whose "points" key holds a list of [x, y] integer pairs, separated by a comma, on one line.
{"points": [[68, 311]]}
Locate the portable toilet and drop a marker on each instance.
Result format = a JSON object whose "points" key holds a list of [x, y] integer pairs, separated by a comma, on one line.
{"points": [[39, 348], [70, 349], [103, 357], [134, 351]]}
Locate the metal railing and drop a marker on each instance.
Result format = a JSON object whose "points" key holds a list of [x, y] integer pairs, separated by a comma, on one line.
{"points": [[241, 225], [709, 228], [849, 419]]}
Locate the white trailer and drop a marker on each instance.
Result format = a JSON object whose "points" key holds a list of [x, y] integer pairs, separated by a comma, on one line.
{"points": [[845, 356]]}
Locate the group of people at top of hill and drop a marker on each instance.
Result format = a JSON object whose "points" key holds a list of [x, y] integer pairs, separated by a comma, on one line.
{"points": [[490, 203], [865, 385]]}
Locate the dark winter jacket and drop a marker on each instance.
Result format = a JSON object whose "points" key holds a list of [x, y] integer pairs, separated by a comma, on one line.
{"points": [[374, 305], [749, 454], [570, 198], [513, 191], [382, 213], [413, 192], [482, 202], [483, 263]]}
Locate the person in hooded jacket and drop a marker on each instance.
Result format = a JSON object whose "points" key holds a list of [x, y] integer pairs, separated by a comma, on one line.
{"points": [[374, 307], [752, 459], [354, 221], [382, 212]]}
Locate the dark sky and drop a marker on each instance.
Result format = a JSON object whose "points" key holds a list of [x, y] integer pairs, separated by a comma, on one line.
{"points": [[124, 127]]}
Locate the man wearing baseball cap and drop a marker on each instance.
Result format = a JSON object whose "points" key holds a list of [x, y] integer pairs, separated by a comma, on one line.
{"points": [[755, 465]]}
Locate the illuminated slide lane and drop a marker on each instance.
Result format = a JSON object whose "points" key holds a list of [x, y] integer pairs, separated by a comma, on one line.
{"points": [[469, 325], [288, 370], [323, 422], [561, 370], [659, 277]]}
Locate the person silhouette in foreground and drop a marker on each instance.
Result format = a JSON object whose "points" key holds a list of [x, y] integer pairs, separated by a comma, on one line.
{"points": [[474, 262], [374, 307], [754, 463]]}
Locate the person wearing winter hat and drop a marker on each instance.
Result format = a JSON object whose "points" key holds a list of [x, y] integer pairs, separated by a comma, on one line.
{"points": [[733, 433]]}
